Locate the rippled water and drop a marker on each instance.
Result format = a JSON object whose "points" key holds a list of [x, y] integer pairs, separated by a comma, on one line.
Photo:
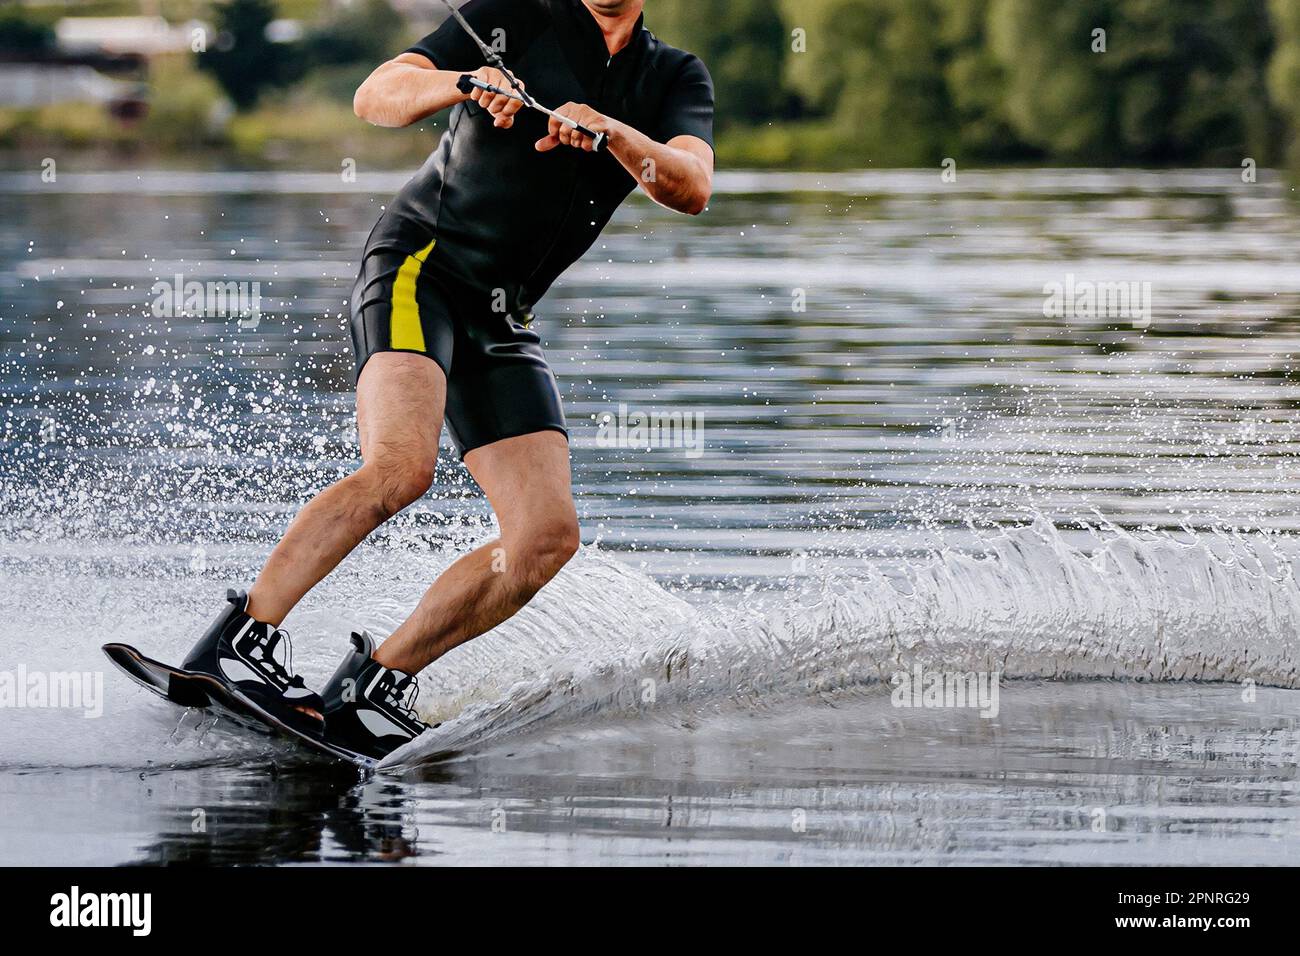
{"points": [[905, 462]]}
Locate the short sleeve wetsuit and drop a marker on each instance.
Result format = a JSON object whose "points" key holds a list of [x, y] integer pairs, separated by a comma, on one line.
{"points": [[456, 263]]}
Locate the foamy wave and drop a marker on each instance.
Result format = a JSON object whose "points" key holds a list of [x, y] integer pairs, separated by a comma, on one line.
{"points": [[604, 640]]}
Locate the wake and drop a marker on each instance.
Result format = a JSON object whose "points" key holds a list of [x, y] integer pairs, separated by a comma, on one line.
{"points": [[603, 640]]}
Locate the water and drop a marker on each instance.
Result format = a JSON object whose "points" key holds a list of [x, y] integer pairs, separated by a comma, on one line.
{"points": [[905, 463]]}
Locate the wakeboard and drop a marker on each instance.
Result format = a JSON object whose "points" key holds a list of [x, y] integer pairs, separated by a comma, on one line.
{"points": [[193, 689]]}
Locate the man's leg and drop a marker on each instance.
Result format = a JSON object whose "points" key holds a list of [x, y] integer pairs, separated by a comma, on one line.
{"points": [[526, 480], [400, 401]]}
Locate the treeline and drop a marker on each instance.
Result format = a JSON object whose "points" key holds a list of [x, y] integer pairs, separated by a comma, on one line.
{"points": [[805, 83], [907, 82], [347, 44]]}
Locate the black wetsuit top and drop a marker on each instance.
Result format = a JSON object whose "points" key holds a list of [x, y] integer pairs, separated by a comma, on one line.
{"points": [[504, 215]]}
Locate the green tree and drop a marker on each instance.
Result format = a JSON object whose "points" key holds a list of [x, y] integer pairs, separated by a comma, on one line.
{"points": [[836, 36], [365, 33], [19, 32], [243, 60], [1284, 70], [743, 43], [1051, 98], [896, 99], [976, 84], [1177, 80], [876, 68]]}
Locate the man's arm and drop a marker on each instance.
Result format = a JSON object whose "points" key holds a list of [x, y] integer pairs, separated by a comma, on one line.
{"points": [[410, 87], [677, 174]]}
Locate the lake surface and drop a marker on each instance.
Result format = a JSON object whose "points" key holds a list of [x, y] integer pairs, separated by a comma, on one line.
{"points": [[1038, 424]]}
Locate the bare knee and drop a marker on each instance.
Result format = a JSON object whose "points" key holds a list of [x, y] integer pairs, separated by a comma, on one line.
{"points": [[540, 553], [392, 483]]}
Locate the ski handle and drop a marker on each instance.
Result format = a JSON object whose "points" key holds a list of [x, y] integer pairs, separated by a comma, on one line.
{"points": [[467, 83]]}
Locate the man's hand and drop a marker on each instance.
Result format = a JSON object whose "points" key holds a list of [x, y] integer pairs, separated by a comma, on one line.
{"points": [[677, 174], [502, 108], [583, 114]]}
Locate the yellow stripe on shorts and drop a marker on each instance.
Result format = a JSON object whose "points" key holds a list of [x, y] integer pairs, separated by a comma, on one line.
{"points": [[405, 331]]}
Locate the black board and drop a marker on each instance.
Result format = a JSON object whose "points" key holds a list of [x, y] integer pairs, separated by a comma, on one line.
{"points": [[191, 689]]}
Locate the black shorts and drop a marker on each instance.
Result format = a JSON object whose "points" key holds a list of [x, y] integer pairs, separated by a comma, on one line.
{"points": [[498, 382]]}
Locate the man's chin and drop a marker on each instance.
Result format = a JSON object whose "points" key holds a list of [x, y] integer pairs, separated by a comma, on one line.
{"points": [[612, 8]]}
